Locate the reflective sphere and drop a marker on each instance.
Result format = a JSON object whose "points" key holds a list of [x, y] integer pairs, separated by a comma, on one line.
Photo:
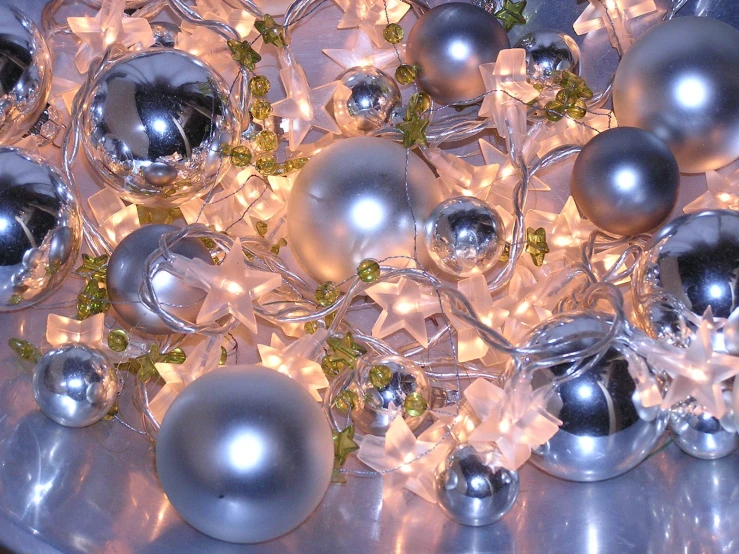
{"points": [[39, 229], [244, 454], [605, 429], [692, 263], [448, 43], [700, 434], [349, 203], [365, 100], [625, 181], [377, 406], [74, 385], [153, 125], [549, 51], [165, 33], [472, 489], [464, 235], [680, 80], [126, 274], [25, 74]]}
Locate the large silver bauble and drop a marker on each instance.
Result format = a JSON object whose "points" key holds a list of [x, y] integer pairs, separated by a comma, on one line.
{"points": [[680, 80], [548, 52], [350, 202], [464, 235], [126, 274], [153, 124], [74, 385], [700, 434], [448, 43], [605, 429], [472, 489], [25, 74], [377, 407], [625, 181], [364, 100], [39, 229], [691, 264], [244, 454]]}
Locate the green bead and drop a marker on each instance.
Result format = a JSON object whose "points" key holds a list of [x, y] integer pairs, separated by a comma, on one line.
{"points": [[266, 141], [311, 327], [261, 227], [266, 164], [380, 376], [240, 156], [393, 33], [554, 110], [260, 109], [259, 85], [224, 356], [174, 356], [331, 367], [564, 96], [346, 401], [578, 110], [294, 164], [415, 404], [583, 90], [24, 349], [117, 340], [405, 74], [368, 270], [420, 102], [327, 293]]}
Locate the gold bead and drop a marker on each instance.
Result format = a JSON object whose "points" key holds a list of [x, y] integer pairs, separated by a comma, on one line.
{"points": [[240, 156], [259, 85], [260, 109], [266, 141], [368, 270], [393, 33], [405, 74]]}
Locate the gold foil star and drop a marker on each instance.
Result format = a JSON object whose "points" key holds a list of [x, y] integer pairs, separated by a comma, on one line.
{"points": [[536, 244]]}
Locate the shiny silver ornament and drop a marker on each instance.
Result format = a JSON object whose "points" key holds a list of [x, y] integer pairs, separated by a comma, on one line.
{"points": [[625, 181], [680, 80], [349, 203], [153, 125], [691, 264], [165, 34], [126, 274], [25, 74], [364, 100], [605, 431], [448, 43], [377, 406], [472, 489], [549, 52], [464, 235], [700, 434], [244, 454], [39, 229], [75, 385]]}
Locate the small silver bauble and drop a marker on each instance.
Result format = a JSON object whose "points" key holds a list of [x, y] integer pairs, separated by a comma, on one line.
{"points": [[244, 454], [165, 34], [448, 43], [74, 385], [472, 489], [378, 405], [364, 100], [25, 74], [680, 80], [548, 52], [126, 274], [350, 202], [625, 181], [153, 125], [464, 235], [691, 264], [606, 431], [700, 434], [39, 229]]}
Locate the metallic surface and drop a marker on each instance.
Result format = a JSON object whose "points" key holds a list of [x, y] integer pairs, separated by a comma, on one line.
{"points": [[472, 490], [25, 74], [365, 100], [626, 181], [464, 235], [605, 429], [349, 203], [153, 124], [39, 229], [549, 51], [126, 273], [448, 44], [244, 454], [680, 80], [74, 385], [700, 434]]}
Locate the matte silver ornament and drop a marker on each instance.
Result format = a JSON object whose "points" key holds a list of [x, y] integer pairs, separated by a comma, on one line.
{"points": [[605, 431], [25, 74], [349, 203], [548, 52], [464, 235], [74, 385], [39, 229], [244, 454], [680, 80], [700, 434], [126, 274], [153, 124], [448, 43], [626, 181], [364, 100], [472, 489]]}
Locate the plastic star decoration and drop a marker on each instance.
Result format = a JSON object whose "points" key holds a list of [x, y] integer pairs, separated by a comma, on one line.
{"points": [[62, 330], [405, 305], [214, 10], [461, 177], [364, 53], [368, 15], [116, 220], [570, 131], [722, 194], [296, 361], [614, 16]]}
